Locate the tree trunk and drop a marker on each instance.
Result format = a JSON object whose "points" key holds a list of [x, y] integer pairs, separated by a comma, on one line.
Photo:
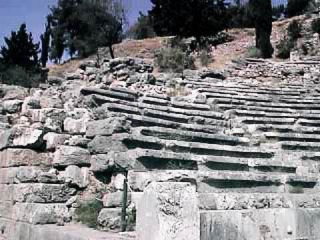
{"points": [[111, 51]]}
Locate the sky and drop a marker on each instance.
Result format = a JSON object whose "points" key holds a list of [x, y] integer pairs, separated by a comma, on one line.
{"points": [[33, 13]]}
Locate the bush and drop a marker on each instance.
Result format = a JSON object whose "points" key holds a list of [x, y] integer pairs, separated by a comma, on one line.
{"points": [[174, 59], [297, 7], [253, 52], [16, 75], [88, 213], [296, 189], [315, 25], [294, 30], [284, 48]]}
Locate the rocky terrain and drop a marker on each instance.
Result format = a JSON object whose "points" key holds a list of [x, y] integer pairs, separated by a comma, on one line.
{"points": [[239, 148]]}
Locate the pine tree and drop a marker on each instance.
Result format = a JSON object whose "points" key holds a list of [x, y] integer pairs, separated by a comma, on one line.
{"points": [[20, 50]]}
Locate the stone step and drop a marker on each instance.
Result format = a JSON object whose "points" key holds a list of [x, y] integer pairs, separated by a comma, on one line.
{"points": [[266, 120], [242, 98], [219, 182], [139, 141], [154, 101], [255, 108], [301, 146], [199, 110], [295, 137], [179, 135], [109, 93], [287, 129], [242, 201], [145, 159], [309, 123], [140, 121]]}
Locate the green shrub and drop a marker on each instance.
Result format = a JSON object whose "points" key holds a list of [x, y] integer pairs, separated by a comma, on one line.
{"points": [[253, 52], [315, 25], [284, 48], [296, 189], [294, 30], [205, 58], [88, 213], [16, 75], [173, 60]]}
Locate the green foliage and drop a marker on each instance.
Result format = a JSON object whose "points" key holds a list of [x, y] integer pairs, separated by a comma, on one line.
{"points": [[261, 13], [284, 48], [253, 52], [297, 7], [188, 18], [296, 189], [238, 17], [88, 213], [142, 28], [81, 27], [16, 75], [315, 25], [20, 50], [294, 30], [173, 59]]}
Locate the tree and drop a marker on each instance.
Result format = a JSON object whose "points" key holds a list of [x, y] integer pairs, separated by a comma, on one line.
{"points": [[45, 43], [142, 28], [297, 7], [82, 26], [20, 50], [261, 13], [188, 18]]}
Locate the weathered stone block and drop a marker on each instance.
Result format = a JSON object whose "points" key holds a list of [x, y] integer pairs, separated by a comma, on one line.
{"points": [[76, 176], [15, 157], [68, 155], [168, 211], [260, 224], [107, 127], [110, 219]]}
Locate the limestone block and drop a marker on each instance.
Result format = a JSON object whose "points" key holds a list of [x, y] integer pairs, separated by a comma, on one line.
{"points": [[110, 219], [12, 106], [76, 176], [69, 155], [107, 127], [28, 174], [102, 162], [15, 157], [28, 137], [102, 144], [260, 224], [113, 200], [34, 213], [42, 193], [53, 140], [168, 211], [75, 126]]}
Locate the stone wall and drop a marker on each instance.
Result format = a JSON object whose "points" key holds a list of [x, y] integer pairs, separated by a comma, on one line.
{"points": [[246, 140]]}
